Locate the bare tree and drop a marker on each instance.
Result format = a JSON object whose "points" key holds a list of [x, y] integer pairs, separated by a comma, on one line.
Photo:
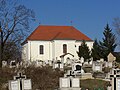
{"points": [[116, 24], [15, 19]]}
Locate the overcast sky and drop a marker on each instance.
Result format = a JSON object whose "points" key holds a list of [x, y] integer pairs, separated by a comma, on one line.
{"points": [[88, 16]]}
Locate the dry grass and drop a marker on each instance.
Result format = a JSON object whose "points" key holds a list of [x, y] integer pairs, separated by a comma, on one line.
{"points": [[94, 84]]}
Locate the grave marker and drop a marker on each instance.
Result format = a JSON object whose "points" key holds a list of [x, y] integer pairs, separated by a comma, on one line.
{"points": [[20, 83], [115, 79], [69, 82]]}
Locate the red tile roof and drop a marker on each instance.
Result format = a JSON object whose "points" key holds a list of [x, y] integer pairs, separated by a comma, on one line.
{"points": [[57, 32]]}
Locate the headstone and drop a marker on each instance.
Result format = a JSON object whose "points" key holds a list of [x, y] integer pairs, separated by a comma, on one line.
{"points": [[27, 84], [70, 82], [14, 85], [20, 83], [97, 66], [4, 63], [75, 82], [39, 63], [109, 88], [58, 64], [115, 79], [101, 60], [111, 57], [64, 82], [77, 68], [82, 60], [12, 64]]}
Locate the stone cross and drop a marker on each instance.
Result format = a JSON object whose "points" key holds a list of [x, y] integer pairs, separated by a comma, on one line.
{"points": [[115, 76]]}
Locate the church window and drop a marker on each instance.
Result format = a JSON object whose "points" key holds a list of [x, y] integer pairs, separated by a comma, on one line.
{"points": [[41, 49], [64, 48]]}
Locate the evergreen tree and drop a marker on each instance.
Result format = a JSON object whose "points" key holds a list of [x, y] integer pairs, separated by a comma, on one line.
{"points": [[84, 51], [108, 44], [96, 51]]}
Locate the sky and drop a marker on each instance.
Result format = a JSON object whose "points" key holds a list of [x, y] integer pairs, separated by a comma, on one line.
{"points": [[88, 16]]}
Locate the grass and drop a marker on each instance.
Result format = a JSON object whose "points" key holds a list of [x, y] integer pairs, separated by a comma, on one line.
{"points": [[94, 84]]}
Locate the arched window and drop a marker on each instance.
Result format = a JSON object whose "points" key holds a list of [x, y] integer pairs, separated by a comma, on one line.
{"points": [[64, 48], [41, 49]]}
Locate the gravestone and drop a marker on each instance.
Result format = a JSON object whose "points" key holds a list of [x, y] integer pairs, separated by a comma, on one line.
{"points": [[97, 66], [20, 83], [77, 68], [4, 63], [59, 65], [14, 85], [82, 60], [111, 57], [109, 64], [70, 82], [115, 79], [38, 63], [12, 64]]}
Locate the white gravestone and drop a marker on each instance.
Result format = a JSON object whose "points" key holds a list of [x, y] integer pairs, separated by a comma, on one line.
{"points": [[27, 84], [4, 63], [70, 82], [20, 83], [118, 83], [58, 65], [12, 64], [97, 66], [82, 60], [64, 82], [14, 85], [75, 82]]}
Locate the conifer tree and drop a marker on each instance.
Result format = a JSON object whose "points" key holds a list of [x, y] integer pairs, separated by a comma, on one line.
{"points": [[108, 44], [96, 51], [84, 51]]}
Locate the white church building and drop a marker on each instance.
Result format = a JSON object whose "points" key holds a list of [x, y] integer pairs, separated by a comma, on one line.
{"points": [[53, 43]]}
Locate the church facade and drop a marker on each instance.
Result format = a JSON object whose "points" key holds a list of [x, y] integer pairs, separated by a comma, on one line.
{"points": [[53, 43]]}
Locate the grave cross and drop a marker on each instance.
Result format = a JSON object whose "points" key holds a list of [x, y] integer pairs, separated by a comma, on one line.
{"points": [[20, 77], [58, 64], [71, 75], [115, 76]]}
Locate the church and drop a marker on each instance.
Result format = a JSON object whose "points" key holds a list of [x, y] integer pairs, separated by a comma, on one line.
{"points": [[53, 43]]}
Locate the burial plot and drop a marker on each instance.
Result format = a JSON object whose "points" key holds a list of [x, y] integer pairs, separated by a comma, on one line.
{"points": [[20, 83], [115, 79], [70, 82]]}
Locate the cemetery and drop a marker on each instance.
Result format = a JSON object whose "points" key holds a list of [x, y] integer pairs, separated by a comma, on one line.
{"points": [[75, 77], [65, 59]]}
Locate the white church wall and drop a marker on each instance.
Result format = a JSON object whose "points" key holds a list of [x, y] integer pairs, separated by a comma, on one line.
{"points": [[52, 49], [59, 48], [34, 53]]}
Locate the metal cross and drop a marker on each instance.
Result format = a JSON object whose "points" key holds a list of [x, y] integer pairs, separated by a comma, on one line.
{"points": [[71, 74], [114, 76], [20, 77], [70, 79]]}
